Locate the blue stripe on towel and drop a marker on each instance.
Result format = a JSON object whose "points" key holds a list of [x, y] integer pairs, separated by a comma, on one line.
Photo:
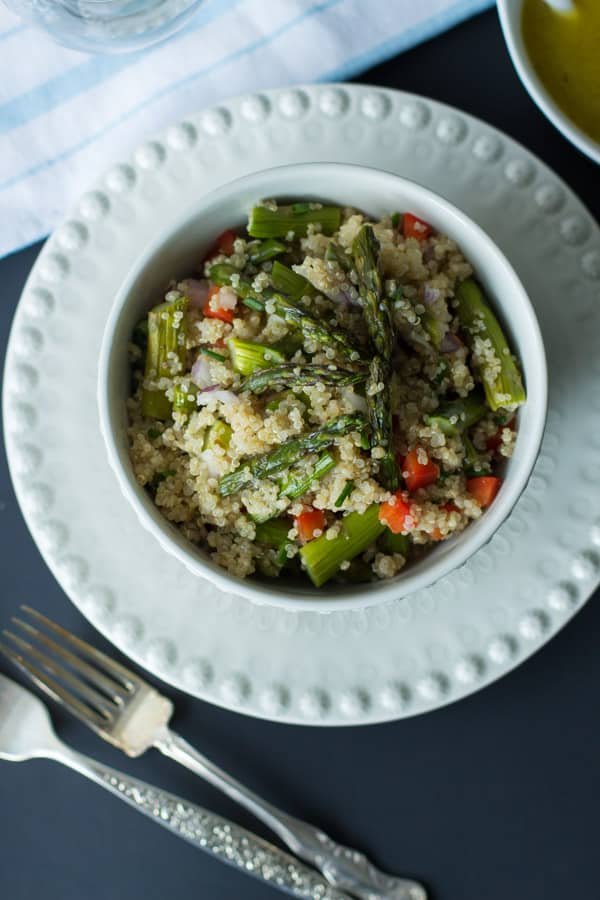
{"points": [[52, 93], [188, 79]]}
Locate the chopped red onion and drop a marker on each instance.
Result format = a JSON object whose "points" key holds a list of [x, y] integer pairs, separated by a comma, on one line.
{"points": [[346, 300], [220, 395], [196, 291], [450, 343], [430, 295], [211, 462], [201, 372]]}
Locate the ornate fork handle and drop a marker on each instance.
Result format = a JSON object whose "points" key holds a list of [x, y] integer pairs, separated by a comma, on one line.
{"points": [[205, 830], [343, 867]]}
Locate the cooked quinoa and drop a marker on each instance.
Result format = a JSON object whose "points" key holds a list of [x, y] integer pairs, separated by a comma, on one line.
{"points": [[328, 396]]}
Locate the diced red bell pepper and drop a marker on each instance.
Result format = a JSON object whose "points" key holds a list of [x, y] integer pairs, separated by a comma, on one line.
{"points": [[225, 315], [417, 474], [413, 227], [398, 514], [225, 242], [222, 245], [308, 522], [494, 441], [484, 488]]}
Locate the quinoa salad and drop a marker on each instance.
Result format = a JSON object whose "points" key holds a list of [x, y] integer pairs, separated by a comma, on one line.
{"points": [[326, 398]]}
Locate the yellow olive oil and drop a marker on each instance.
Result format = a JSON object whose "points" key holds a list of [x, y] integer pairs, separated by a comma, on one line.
{"points": [[564, 49]]}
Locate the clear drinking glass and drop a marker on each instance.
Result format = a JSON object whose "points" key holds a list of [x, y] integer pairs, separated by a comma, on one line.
{"points": [[106, 26]]}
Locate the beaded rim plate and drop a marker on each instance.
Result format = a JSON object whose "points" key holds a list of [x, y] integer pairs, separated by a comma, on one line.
{"points": [[396, 659]]}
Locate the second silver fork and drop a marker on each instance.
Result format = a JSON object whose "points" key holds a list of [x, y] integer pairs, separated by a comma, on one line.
{"points": [[126, 711]]}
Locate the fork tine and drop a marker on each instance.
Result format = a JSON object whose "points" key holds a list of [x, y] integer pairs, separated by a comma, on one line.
{"points": [[92, 697], [115, 669], [115, 691], [56, 691]]}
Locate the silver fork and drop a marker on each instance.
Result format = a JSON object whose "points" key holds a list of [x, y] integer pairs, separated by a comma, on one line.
{"points": [[126, 711], [26, 733]]}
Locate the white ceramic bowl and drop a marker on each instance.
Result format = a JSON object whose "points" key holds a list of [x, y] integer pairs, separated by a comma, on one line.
{"points": [[179, 247], [510, 19]]}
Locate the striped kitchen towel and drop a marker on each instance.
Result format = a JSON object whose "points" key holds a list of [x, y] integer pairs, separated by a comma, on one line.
{"points": [[64, 115]]}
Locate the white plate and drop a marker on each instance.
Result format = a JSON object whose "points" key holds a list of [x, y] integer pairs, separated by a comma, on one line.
{"points": [[397, 659]]}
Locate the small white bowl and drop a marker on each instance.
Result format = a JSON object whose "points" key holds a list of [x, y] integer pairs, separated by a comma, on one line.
{"points": [[175, 253], [510, 18]]}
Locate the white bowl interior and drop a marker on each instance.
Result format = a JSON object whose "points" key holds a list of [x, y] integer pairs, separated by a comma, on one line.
{"points": [[177, 252], [510, 19]]}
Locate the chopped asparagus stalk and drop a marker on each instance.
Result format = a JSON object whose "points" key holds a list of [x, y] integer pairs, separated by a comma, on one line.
{"points": [[221, 273], [295, 376], [247, 357], [156, 405], [274, 223], [167, 333], [290, 344], [265, 251], [378, 316], [335, 253], [290, 283], [288, 454], [376, 306], [273, 532], [322, 558], [312, 328], [295, 486], [293, 313], [218, 435], [477, 320], [380, 419], [184, 397], [394, 543], [345, 493], [458, 415]]}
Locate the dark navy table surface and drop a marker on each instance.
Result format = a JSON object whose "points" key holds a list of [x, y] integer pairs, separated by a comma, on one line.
{"points": [[494, 798]]}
